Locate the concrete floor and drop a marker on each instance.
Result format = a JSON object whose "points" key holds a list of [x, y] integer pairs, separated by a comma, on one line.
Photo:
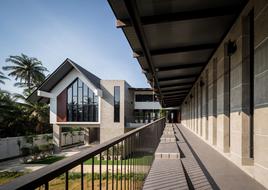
{"points": [[220, 172], [199, 167]]}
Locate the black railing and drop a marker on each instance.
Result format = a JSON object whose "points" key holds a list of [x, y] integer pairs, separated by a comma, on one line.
{"points": [[118, 164]]}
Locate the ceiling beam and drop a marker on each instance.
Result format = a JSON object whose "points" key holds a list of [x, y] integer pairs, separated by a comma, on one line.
{"points": [[181, 49], [175, 95], [173, 99], [176, 85], [182, 66], [137, 24], [176, 90], [180, 16], [178, 78]]}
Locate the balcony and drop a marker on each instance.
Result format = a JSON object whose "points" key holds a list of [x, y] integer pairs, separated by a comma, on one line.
{"points": [[154, 156], [121, 163]]}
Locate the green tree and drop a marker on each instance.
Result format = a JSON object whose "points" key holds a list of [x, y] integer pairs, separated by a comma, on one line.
{"points": [[2, 78], [29, 71]]}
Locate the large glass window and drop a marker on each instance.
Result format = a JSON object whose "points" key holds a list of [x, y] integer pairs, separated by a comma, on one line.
{"points": [[145, 98], [82, 103], [117, 104]]}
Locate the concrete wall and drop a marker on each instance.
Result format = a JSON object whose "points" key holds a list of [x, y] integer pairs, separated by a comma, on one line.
{"points": [[225, 105], [9, 146], [108, 128]]}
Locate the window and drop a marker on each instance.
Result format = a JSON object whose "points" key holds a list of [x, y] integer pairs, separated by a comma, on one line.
{"points": [[82, 103], [117, 104], [145, 98]]}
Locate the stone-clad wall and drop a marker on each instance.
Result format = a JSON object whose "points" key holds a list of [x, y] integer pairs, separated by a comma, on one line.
{"points": [[108, 128], [221, 115]]}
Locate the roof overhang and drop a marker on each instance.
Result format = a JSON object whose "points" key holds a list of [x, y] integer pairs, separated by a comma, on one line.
{"points": [[174, 40]]}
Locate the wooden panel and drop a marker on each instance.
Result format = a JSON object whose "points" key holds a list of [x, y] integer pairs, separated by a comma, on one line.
{"points": [[61, 106]]}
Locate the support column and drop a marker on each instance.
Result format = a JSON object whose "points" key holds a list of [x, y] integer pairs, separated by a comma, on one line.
{"points": [[223, 102], [57, 138], [240, 97], [213, 103]]}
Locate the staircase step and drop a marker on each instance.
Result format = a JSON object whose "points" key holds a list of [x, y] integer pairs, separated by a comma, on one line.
{"points": [[167, 151]]}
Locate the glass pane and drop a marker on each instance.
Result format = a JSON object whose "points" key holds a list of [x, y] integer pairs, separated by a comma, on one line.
{"points": [[85, 90], [80, 83], [90, 95], [85, 112], [80, 113], [70, 112], [69, 95], [75, 88], [80, 93], [74, 113], [116, 103]]}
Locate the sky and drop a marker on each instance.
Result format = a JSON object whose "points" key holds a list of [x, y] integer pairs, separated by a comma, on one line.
{"points": [[53, 30]]}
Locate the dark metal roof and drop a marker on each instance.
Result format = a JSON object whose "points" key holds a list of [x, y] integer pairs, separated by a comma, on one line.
{"points": [[141, 89], [174, 40], [53, 79]]}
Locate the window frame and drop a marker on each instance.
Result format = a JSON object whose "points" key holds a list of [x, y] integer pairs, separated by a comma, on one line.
{"points": [[116, 106], [88, 104]]}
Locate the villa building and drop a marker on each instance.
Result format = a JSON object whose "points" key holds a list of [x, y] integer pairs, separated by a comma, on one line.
{"points": [[103, 108]]}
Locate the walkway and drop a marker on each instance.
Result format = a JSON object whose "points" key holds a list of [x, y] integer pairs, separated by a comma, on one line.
{"points": [[201, 165]]}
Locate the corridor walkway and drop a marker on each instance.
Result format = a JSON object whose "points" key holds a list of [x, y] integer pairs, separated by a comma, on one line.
{"points": [[199, 167]]}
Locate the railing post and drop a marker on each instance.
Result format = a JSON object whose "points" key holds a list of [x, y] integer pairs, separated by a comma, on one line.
{"points": [[82, 176]]}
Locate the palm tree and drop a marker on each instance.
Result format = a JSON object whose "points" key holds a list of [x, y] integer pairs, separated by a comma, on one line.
{"points": [[2, 78], [28, 70]]}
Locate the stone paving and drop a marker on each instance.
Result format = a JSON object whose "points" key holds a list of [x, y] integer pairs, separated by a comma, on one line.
{"points": [[198, 165], [166, 171]]}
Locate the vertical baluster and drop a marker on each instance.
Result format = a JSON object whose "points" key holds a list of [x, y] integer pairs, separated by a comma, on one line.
{"points": [[113, 169], [117, 153], [66, 181], [125, 162], [134, 161], [46, 186], [92, 173], [100, 172], [131, 161], [107, 170], [82, 176], [121, 159]]}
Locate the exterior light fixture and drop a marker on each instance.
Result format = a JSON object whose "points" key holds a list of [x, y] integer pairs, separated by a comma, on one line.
{"points": [[231, 47]]}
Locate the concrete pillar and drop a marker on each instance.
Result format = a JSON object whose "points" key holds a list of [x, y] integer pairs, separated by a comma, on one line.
{"points": [[200, 88], [57, 138], [223, 102], [240, 98], [205, 106], [213, 103], [196, 109]]}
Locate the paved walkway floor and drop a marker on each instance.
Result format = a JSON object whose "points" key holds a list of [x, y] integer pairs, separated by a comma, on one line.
{"points": [[219, 171], [200, 167]]}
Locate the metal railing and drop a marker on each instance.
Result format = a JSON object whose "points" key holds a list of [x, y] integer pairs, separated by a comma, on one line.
{"points": [[118, 164]]}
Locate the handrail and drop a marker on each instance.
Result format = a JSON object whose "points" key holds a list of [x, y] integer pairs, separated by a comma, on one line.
{"points": [[50, 172]]}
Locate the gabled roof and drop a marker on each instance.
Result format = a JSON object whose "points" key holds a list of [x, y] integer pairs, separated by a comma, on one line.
{"points": [[53, 79]]}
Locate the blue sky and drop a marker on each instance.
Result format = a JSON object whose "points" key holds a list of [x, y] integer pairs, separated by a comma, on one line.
{"points": [[53, 30]]}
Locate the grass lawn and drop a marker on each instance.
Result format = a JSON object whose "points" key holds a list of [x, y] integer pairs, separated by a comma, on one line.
{"points": [[47, 160], [6, 176], [75, 181], [145, 160]]}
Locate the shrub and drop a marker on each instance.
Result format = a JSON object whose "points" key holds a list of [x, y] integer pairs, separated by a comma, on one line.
{"points": [[25, 151]]}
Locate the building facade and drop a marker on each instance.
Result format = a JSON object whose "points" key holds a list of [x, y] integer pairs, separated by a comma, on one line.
{"points": [[103, 108]]}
